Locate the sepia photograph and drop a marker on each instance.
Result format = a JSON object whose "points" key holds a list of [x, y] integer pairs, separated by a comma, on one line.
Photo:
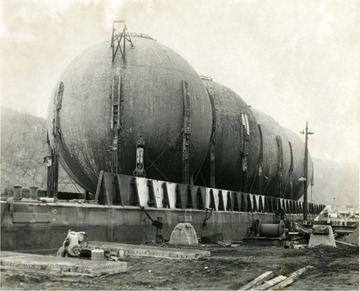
{"points": [[179, 145]]}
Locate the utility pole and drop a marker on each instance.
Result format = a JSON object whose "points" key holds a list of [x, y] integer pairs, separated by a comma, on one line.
{"points": [[305, 208]]}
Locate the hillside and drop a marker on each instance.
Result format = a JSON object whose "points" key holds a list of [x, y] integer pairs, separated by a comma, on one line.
{"points": [[23, 148]]}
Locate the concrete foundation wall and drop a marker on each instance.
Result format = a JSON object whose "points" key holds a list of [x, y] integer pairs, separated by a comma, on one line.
{"points": [[28, 226]]}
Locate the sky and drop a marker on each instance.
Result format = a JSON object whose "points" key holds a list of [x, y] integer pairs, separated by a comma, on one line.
{"points": [[297, 61]]}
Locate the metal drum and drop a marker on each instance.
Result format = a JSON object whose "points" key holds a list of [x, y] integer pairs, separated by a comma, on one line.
{"points": [[271, 229]]}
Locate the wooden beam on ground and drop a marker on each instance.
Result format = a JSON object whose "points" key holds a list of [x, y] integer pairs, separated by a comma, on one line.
{"points": [[271, 283], [344, 243], [257, 281], [137, 251], [292, 278]]}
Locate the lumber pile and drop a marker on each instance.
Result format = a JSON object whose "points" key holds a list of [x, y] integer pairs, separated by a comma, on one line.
{"points": [[266, 281]]}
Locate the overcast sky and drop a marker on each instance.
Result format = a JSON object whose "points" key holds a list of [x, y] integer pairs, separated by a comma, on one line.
{"points": [[295, 60]]}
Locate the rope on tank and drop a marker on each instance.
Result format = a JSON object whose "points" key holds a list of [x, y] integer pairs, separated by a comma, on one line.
{"points": [[68, 184], [199, 172], [254, 178], [80, 169], [160, 155], [225, 174], [158, 170]]}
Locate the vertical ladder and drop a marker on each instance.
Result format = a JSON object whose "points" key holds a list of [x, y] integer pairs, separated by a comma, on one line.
{"points": [[291, 169], [244, 151], [186, 133], [116, 120], [212, 141], [260, 162], [55, 151]]}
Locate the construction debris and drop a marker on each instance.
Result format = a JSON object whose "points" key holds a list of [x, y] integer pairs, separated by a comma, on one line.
{"points": [[60, 266], [137, 251], [77, 245], [292, 278], [276, 283], [257, 281], [345, 243], [271, 283], [293, 244], [97, 255], [224, 243]]}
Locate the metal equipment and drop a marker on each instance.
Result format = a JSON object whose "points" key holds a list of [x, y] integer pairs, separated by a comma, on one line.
{"points": [[157, 223], [72, 244], [266, 233]]}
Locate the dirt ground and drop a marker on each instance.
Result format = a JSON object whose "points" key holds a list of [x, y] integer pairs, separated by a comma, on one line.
{"points": [[228, 268]]}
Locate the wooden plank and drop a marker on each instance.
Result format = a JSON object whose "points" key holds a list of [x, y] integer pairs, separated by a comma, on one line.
{"points": [[292, 278], [344, 243], [136, 251], [257, 281], [271, 283]]}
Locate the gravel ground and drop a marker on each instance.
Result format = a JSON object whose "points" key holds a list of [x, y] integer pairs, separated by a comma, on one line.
{"points": [[226, 269]]}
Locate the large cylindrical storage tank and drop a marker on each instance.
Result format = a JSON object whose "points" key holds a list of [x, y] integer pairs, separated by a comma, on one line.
{"points": [[236, 141], [298, 154], [282, 162], [275, 155], [148, 83]]}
